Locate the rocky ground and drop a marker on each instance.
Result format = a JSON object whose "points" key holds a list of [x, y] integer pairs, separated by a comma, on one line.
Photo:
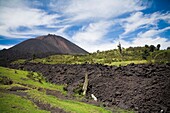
{"points": [[144, 87]]}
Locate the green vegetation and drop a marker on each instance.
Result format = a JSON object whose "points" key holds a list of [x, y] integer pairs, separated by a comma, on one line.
{"points": [[20, 61], [124, 63], [67, 105], [162, 56], [13, 103], [111, 57], [10, 103], [21, 77], [117, 57], [33, 82]]}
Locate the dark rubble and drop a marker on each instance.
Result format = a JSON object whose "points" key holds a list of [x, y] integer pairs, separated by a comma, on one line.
{"points": [[142, 87]]}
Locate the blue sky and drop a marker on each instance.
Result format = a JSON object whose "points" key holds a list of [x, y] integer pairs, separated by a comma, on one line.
{"points": [[91, 24]]}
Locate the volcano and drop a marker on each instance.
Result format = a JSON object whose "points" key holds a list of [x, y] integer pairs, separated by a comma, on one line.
{"points": [[41, 46]]}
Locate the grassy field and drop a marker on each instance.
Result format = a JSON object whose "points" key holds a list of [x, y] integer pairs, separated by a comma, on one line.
{"points": [[12, 103], [67, 105], [124, 63], [21, 77], [136, 55]]}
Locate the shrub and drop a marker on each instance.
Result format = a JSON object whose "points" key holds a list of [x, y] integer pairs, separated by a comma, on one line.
{"points": [[36, 77], [78, 89], [5, 80], [162, 57], [145, 54], [152, 48]]}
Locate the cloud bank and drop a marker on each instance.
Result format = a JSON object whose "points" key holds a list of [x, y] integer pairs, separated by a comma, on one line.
{"points": [[91, 24]]}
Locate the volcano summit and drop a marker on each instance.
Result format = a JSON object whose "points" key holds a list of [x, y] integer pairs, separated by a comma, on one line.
{"points": [[41, 46]]}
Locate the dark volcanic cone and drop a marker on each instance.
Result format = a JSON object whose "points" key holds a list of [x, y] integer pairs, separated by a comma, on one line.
{"points": [[41, 46]]}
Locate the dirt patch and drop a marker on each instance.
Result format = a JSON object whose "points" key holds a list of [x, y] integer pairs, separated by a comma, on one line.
{"points": [[142, 87], [56, 94], [48, 107], [17, 91], [16, 88]]}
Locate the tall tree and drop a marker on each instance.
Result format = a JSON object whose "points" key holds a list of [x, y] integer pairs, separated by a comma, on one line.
{"points": [[152, 48], [120, 48], [158, 47], [146, 46]]}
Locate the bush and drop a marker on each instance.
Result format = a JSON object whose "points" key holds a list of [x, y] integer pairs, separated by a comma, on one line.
{"points": [[36, 77], [145, 54], [78, 89], [5, 80], [152, 48], [162, 57]]}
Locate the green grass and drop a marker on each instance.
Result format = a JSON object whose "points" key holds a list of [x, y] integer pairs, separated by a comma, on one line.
{"points": [[69, 59], [10, 103], [162, 56], [19, 61], [67, 105], [20, 77], [124, 63], [105, 57], [6, 87], [129, 55]]}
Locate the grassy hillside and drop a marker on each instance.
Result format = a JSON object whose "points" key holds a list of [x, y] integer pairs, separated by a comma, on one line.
{"points": [[136, 55], [26, 92], [10, 103], [162, 56]]}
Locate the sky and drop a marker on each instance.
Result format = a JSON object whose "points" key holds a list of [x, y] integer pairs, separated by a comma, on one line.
{"points": [[91, 24]]}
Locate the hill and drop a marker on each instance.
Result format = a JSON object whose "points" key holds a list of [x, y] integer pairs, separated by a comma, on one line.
{"points": [[41, 46], [136, 55]]}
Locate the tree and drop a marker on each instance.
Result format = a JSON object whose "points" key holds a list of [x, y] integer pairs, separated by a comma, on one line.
{"points": [[146, 46], [168, 48], [152, 48], [145, 54], [120, 48], [158, 47]]}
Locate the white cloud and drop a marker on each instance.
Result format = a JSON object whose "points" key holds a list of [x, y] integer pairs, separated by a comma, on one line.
{"points": [[92, 37], [139, 20], [101, 46], [5, 46], [36, 32], [153, 32], [13, 3], [95, 16], [18, 13], [150, 37], [151, 41], [25, 17], [92, 33], [95, 9]]}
